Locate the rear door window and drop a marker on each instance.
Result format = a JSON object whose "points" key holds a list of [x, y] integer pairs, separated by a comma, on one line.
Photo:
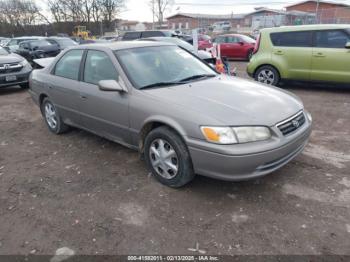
{"points": [[69, 64], [292, 39], [132, 35], [331, 39]]}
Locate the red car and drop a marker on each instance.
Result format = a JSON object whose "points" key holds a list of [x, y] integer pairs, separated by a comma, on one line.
{"points": [[204, 42], [236, 46]]}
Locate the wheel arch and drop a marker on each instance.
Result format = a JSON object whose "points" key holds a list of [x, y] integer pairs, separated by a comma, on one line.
{"points": [[154, 123]]}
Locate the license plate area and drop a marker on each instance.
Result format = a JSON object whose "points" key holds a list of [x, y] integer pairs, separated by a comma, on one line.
{"points": [[10, 78]]}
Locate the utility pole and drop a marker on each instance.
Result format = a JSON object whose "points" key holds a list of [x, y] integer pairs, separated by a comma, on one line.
{"points": [[317, 7], [153, 14]]}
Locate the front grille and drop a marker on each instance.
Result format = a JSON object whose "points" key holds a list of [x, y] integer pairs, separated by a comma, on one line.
{"points": [[10, 68], [290, 125]]}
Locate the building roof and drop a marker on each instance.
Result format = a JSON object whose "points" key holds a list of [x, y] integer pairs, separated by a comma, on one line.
{"points": [[320, 1], [208, 16]]}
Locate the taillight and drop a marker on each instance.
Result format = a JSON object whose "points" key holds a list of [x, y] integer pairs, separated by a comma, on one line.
{"points": [[257, 45]]}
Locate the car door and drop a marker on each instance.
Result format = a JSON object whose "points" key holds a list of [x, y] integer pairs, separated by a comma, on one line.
{"points": [[292, 53], [23, 50], [235, 46], [221, 40], [104, 112], [63, 86], [330, 57]]}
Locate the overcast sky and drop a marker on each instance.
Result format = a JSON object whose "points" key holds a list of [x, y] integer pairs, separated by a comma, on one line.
{"points": [[140, 10]]}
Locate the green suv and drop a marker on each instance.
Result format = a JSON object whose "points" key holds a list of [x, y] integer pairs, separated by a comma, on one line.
{"points": [[317, 53]]}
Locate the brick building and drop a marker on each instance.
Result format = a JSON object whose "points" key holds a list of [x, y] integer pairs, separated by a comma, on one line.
{"points": [[327, 12]]}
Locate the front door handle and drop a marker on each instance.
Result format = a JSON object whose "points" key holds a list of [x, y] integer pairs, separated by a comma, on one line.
{"points": [[279, 52], [83, 97]]}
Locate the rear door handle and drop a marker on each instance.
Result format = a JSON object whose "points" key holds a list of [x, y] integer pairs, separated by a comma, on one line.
{"points": [[83, 97], [319, 54]]}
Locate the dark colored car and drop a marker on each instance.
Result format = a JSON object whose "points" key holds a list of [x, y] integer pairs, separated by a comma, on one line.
{"points": [[236, 46], [14, 69], [133, 35], [62, 42], [37, 49]]}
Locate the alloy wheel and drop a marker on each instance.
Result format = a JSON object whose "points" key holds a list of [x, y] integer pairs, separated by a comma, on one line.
{"points": [[266, 76], [50, 115]]}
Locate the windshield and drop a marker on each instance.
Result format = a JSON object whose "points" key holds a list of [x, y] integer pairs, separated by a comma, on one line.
{"points": [[3, 51], [247, 39], [162, 64]]}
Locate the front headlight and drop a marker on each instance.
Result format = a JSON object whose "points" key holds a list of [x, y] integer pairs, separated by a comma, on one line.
{"points": [[24, 62], [252, 133], [219, 135], [235, 135], [309, 116]]}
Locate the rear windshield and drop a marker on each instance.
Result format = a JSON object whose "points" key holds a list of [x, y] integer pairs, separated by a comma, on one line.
{"points": [[248, 39], [132, 35]]}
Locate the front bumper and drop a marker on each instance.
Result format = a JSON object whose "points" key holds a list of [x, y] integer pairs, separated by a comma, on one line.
{"points": [[21, 78], [245, 166]]}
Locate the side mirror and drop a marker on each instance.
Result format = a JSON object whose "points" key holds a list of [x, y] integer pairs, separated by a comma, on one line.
{"points": [[347, 45], [110, 85], [241, 43]]}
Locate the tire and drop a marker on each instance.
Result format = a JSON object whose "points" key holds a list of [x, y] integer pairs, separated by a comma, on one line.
{"points": [[24, 86], [249, 54], [52, 117], [168, 141], [267, 75]]}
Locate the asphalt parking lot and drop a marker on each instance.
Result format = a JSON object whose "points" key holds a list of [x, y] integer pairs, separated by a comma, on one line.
{"points": [[95, 197]]}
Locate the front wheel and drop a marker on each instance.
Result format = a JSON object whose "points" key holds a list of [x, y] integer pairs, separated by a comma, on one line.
{"points": [[168, 158], [267, 75]]}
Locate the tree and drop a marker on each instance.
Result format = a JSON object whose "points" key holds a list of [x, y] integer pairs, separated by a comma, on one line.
{"points": [[159, 7]]}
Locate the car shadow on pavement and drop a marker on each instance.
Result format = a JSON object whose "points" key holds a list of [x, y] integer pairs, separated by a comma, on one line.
{"points": [[316, 87], [11, 90]]}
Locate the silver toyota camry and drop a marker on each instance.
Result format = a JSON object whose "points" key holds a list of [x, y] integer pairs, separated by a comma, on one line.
{"points": [[177, 111]]}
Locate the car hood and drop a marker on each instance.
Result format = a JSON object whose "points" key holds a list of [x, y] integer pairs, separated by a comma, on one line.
{"points": [[10, 58], [232, 101]]}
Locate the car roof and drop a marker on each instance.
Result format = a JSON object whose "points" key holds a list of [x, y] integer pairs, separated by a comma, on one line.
{"points": [[29, 37], [122, 45], [305, 28]]}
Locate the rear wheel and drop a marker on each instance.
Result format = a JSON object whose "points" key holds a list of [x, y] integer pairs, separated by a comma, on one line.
{"points": [[52, 117], [267, 75], [168, 158]]}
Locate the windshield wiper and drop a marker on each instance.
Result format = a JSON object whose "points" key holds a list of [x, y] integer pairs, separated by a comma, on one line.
{"points": [[194, 77], [159, 84]]}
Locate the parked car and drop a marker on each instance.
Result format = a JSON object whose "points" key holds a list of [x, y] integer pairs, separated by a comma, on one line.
{"points": [[204, 42], [204, 55], [110, 38], [133, 35], [61, 42], [317, 53], [14, 69], [236, 46], [37, 49], [223, 26], [13, 44], [4, 41], [176, 110]]}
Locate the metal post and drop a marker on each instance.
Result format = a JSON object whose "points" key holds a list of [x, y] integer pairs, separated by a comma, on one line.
{"points": [[317, 7]]}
